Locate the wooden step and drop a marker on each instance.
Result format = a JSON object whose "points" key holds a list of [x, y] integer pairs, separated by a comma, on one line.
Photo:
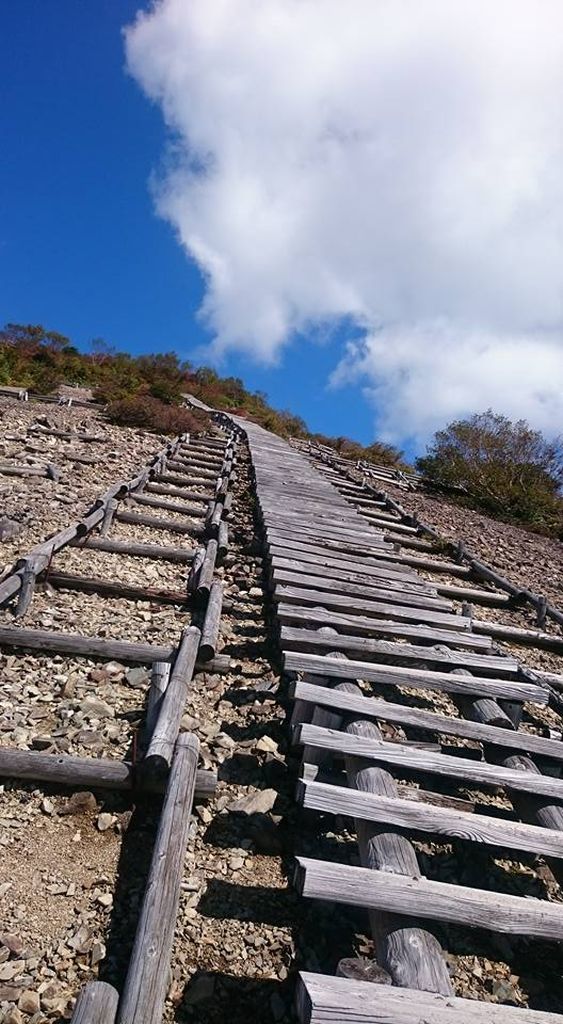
{"points": [[438, 821], [463, 770], [430, 721], [422, 898], [306, 640], [357, 625], [322, 999]]}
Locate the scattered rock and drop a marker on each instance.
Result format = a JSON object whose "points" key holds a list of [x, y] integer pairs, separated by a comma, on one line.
{"points": [[137, 678], [91, 707], [13, 942], [105, 821], [255, 803], [29, 1001], [82, 802], [9, 530], [267, 745]]}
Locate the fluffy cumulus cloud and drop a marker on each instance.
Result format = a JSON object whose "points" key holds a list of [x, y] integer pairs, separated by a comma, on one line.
{"points": [[398, 163]]}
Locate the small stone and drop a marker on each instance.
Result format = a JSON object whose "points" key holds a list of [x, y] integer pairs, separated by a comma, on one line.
{"points": [[267, 745], [81, 941], [47, 806], [189, 723], [105, 900], [105, 821], [14, 943], [10, 993], [12, 1016], [10, 969], [236, 863], [505, 992], [255, 803], [137, 678], [113, 668], [98, 952], [204, 814], [9, 529], [29, 1001], [52, 998], [82, 802], [91, 707]]}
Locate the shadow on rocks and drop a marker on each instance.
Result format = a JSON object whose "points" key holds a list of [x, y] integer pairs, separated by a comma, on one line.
{"points": [[213, 997]]}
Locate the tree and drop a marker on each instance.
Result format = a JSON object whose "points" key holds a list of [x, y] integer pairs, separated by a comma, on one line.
{"points": [[507, 468]]}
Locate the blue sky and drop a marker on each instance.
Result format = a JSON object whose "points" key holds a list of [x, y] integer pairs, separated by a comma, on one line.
{"points": [[392, 182], [81, 249]]}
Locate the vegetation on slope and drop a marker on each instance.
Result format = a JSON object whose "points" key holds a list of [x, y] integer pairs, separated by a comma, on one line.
{"points": [[147, 390], [504, 468], [507, 469]]}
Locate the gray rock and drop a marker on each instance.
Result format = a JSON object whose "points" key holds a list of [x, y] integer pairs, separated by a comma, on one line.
{"points": [[137, 678], [9, 530], [255, 803], [91, 707]]}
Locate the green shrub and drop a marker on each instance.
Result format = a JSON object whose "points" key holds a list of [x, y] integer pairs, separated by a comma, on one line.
{"points": [[505, 468], [152, 414]]}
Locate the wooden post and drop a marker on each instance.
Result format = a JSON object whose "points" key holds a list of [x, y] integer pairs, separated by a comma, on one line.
{"points": [[211, 622], [146, 984], [205, 578], [159, 682], [27, 589], [96, 1004], [161, 747], [109, 511], [222, 541]]}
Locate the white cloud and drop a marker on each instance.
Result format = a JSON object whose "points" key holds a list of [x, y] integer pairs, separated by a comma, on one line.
{"points": [[398, 162]]}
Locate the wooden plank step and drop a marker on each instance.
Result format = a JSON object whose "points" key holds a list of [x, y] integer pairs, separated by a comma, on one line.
{"points": [[422, 898], [414, 678], [322, 999], [112, 588], [321, 557], [168, 506], [137, 550], [294, 639], [440, 821], [179, 492], [418, 760], [430, 721], [406, 584], [372, 557], [356, 625], [363, 606], [371, 591], [156, 523]]}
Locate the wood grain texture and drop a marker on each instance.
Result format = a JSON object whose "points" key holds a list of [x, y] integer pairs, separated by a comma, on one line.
{"points": [[321, 999], [358, 625], [96, 1004], [413, 759], [414, 678], [304, 640], [146, 984], [439, 901], [401, 714], [441, 821]]}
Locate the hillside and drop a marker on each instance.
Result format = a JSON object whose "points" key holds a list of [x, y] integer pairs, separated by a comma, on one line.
{"points": [[41, 360]]}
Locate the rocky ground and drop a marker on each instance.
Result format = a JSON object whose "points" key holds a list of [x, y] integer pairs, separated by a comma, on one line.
{"points": [[525, 558], [73, 867], [34, 507]]}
